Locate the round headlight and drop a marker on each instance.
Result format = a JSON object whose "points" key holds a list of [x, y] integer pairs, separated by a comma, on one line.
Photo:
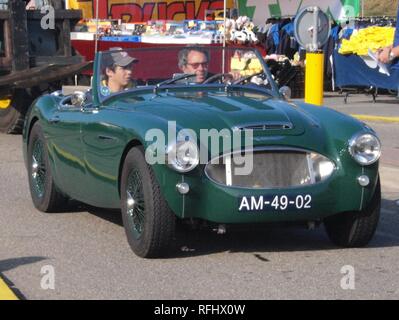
{"points": [[183, 156], [365, 148]]}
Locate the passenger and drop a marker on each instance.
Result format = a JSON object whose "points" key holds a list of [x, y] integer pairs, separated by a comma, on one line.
{"points": [[118, 72], [194, 60], [391, 53]]}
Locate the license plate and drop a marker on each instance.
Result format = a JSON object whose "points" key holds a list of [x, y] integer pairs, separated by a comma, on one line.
{"points": [[274, 203]]}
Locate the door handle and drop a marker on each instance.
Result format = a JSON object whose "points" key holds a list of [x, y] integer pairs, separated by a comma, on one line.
{"points": [[105, 138], [54, 119]]}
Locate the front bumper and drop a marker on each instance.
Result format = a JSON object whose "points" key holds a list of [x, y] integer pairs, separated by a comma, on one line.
{"points": [[216, 203]]}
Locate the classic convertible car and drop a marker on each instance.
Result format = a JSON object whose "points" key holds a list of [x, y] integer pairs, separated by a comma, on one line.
{"points": [[202, 135]]}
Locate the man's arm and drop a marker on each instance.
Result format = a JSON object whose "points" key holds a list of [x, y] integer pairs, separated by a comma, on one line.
{"points": [[386, 55]]}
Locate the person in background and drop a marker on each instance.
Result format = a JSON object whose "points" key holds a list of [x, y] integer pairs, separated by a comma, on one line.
{"points": [[391, 53], [31, 5], [38, 4]]}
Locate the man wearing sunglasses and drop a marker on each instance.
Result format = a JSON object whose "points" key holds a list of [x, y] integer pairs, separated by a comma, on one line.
{"points": [[194, 61]]}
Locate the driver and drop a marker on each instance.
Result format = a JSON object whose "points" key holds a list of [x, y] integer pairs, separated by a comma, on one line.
{"points": [[194, 61], [118, 72]]}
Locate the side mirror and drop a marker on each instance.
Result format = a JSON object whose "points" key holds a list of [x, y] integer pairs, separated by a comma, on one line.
{"points": [[78, 99], [285, 92]]}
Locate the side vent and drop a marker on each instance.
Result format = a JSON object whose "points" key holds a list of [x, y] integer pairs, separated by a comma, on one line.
{"points": [[266, 126]]}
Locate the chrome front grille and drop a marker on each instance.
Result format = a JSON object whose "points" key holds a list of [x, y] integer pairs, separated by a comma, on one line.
{"points": [[271, 169]]}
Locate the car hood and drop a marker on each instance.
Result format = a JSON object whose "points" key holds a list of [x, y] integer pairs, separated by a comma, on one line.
{"points": [[220, 110]]}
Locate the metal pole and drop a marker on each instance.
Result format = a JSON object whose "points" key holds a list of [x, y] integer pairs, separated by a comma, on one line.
{"points": [[224, 33], [314, 74], [315, 28], [362, 8], [96, 35], [224, 22]]}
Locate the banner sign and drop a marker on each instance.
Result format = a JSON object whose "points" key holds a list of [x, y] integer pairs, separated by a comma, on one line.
{"points": [[144, 10], [260, 10]]}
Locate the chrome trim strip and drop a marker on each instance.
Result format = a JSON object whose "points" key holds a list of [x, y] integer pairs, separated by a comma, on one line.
{"points": [[310, 168], [362, 196], [229, 174], [184, 198]]}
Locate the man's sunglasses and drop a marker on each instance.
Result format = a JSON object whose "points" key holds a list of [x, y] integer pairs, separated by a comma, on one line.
{"points": [[197, 64]]}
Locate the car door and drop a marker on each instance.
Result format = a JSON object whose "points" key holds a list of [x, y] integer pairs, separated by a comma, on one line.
{"points": [[64, 138], [103, 144]]}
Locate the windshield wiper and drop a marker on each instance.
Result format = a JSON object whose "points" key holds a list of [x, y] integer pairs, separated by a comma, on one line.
{"points": [[173, 80]]}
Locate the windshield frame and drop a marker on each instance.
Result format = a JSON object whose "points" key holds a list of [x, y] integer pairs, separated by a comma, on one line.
{"points": [[100, 99]]}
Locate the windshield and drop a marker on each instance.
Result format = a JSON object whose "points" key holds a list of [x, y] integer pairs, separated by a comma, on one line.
{"points": [[120, 70]]}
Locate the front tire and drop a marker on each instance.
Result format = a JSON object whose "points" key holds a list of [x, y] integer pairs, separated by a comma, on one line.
{"points": [[149, 223], [44, 193], [355, 229]]}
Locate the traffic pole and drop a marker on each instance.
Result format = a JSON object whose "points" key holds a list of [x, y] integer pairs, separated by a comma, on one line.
{"points": [[314, 78], [314, 74]]}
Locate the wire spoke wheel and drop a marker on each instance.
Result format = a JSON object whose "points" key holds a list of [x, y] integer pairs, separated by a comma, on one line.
{"points": [[148, 221], [135, 202], [45, 195], [38, 169]]}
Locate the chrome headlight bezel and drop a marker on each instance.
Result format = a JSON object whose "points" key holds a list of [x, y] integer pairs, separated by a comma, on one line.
{"points": [[178, 159], [365, 157], [322, 167]]}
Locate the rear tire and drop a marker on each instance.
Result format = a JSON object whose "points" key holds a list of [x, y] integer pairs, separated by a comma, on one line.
{"points": [[148, 221], [12, 111], [45, 195], [355, 229]]}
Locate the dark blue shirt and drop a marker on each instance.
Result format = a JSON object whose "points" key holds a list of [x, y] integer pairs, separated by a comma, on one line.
{"points": [[395, 64], [396, 41]]}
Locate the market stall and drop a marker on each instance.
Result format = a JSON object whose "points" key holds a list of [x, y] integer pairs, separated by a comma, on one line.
{"points": [[239, 32], [353, 74], [355, 64], [268, 26]]}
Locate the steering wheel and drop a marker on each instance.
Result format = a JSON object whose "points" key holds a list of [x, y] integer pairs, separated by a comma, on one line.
{"points": [[183, 76], [246, 78], [216, 76]]}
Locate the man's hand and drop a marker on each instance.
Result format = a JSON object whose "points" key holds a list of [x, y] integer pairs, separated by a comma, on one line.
{"points": [[235, 75], [383, 55]]}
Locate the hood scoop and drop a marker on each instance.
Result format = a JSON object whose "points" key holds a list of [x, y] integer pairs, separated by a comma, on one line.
{"points": [[269, 126]]}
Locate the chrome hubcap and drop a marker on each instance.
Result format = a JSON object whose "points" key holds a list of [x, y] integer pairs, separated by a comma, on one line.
{"points": [[130, 204], [35, 167]]}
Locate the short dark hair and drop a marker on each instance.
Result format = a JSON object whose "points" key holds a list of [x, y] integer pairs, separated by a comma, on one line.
{"points": [[111, 67], [183, 55]]}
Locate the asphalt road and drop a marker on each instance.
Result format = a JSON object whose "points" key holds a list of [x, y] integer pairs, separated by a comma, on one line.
{"points": [[87, 250]]}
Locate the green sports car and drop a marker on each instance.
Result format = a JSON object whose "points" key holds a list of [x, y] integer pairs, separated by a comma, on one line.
{"points": [[200, 134]]}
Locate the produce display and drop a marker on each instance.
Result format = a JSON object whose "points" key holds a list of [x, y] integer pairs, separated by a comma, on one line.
{"points": [[372, 38]]}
